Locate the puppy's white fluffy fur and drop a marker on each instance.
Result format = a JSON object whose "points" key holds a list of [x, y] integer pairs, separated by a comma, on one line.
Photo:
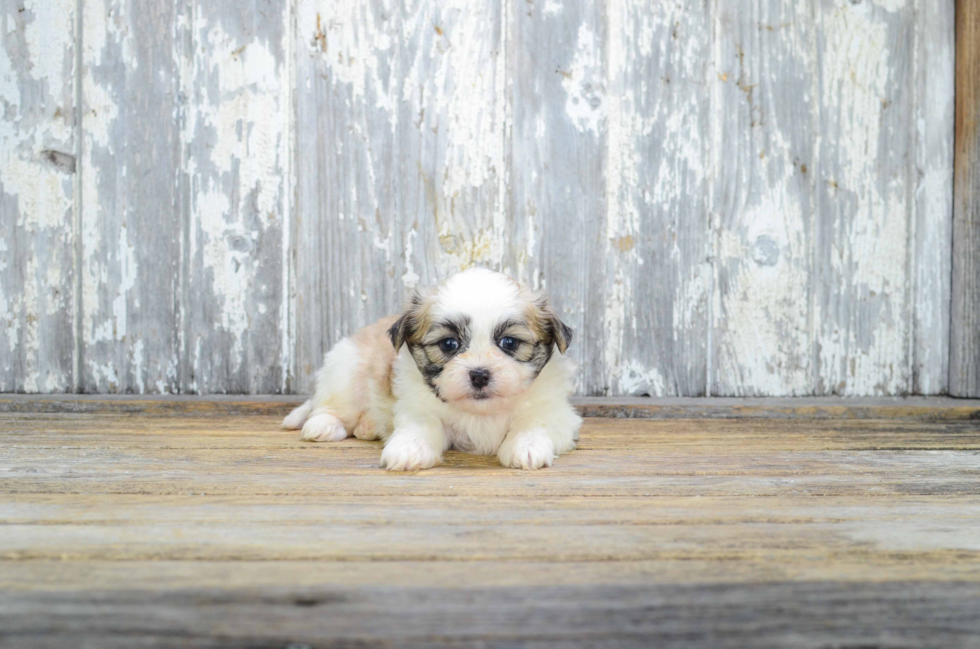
{"points": [[397, 380]]}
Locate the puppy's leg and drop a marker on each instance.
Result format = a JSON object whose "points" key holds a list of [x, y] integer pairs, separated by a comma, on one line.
{"points": [[298, 417], [535, 441], [375, 421], [415, 444], [365, 428], [334, 401]]}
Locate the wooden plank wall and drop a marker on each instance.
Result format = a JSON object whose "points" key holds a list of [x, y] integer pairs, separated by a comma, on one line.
{"points": [[38, 196], [727, 198], [964, 372]]}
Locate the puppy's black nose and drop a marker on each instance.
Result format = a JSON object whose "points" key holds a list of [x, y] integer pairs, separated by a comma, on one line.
{"points": [[480, 377]]}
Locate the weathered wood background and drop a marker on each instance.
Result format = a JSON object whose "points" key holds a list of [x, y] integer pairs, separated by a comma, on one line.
{"points": [[746, 197]]}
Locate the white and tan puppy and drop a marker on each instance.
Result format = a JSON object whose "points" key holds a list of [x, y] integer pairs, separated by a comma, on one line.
{"points": [[470, 366]]}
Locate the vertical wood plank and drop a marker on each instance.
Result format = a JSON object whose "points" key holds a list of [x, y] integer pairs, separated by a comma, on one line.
{"points": [[234, 88], [657, 240], [450, 165], [560, 93], [37, 167], [933, 201], [964, 359], [130, 212], [345, 216], [863, 194], [763, 197], [400, 158]]}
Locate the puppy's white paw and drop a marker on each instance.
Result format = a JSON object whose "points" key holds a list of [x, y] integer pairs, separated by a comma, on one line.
{"points": [[323, 428], [297, 417], [528, 450], [409, 452]]}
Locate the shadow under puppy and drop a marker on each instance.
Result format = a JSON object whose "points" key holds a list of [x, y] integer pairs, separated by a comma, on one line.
{"points": [[470, 366]]}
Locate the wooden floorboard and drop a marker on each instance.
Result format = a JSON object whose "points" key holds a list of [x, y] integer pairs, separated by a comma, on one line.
{"points": [[894, 408], [207, 526]]}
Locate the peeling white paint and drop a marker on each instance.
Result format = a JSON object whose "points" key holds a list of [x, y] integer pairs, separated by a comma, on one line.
{"points": [[35, 290], [654, 169], [100, 108], [127, 268], [621, 218], [100, 111], [410, 278], [890, 5], [634, 378], [137, 363], [31, 342], [105, 374], [424, 138], [552, 8], [240, 99], [857, 75], [933, 201], [49, 38], [584, 82], [287, 320]]}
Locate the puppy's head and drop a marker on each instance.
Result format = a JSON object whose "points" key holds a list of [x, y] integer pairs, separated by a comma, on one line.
{"points": [[480, 338]]}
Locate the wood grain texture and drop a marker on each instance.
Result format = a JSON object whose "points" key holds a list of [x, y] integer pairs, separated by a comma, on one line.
{"points": [[749, 198], [558, 182], [185, 183], [964, 363], [344, 156], [791, 615], [762, 142], [224, 531], [863, 193], [658, 236], [933, 199], [86, 577], [37, 195], [131, 224], [234, 177], [400, 159], [929, 409]]}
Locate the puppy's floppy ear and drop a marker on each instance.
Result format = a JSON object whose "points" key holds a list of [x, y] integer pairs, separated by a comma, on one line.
{"points": [[397, 332], [559, 332], [405, 326]]}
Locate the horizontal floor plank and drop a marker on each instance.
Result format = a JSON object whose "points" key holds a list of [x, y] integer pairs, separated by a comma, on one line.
{"points": [[310, 509], [67, 575], [898, 408], [781, 614], [437, 534], [125, 431]]}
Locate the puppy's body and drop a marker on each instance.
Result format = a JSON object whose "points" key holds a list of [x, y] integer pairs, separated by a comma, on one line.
{"points": [[470, 366]]}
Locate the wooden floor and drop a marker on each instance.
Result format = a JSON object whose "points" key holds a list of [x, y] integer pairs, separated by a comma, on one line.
{"points": [[203, 525]]}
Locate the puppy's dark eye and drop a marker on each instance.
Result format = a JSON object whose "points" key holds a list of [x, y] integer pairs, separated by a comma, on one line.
{"points": [[449, 345], [508, 344]]}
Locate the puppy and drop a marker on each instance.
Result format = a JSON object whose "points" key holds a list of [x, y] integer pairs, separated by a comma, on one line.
{"points": [[469, 366]]}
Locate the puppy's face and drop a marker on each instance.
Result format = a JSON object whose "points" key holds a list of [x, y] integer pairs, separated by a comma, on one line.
{"points": [[480, 338]]}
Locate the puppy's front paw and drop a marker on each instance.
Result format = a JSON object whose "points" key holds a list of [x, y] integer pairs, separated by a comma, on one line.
{"points": [[409, 452], [531, 449], [323, 427], [295, 419]]}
